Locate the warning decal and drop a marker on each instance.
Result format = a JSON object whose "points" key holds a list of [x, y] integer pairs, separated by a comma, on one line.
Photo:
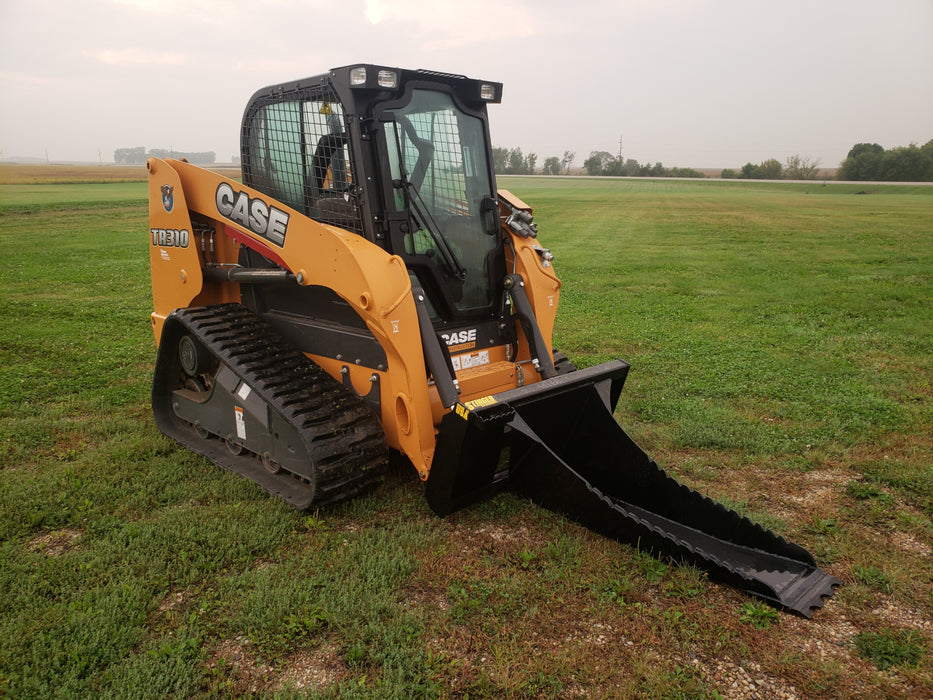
{"points": [[240, 423], [475, 359]]}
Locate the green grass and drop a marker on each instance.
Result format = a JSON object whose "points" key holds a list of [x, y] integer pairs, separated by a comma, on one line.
{"points": [[50, 197], [780, 337], [891, 648], [771, 320]]}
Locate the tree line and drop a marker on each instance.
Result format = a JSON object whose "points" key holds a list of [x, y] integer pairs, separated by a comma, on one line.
{"points": [[869, 161], [865, 161], [794, 168], [511, 161], [139, 156], [604, 163]]}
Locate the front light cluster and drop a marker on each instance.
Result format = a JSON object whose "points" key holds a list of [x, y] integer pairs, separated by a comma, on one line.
{"points": [[387, 79]]}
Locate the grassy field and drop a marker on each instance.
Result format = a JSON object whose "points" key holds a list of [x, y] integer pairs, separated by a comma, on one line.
{"points": [[780, 337]]}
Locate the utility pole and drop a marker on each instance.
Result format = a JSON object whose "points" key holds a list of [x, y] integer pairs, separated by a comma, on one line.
{"points": [[620, 149]]}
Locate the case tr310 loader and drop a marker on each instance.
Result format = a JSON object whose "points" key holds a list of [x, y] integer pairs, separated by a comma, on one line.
{"points": [[367, 288]]}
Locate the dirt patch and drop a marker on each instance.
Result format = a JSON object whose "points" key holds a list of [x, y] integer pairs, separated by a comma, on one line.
{"points": [[831, 636], [792, 496], [236, 659], [173, 601], [55, 543], [891, 614], [491, 536], [310, 669], [803, 491], [910, 544], [743, 680]]}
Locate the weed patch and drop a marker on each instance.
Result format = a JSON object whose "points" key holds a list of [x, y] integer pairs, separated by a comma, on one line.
{"points": [[758, 615], [889, 648]]}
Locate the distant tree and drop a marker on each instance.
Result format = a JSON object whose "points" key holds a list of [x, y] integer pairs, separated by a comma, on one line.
{"points": [[614, 167], [199, 158], [511, 161], [771, 169], [500, 159], [863, 148], [869, 161], [604, 163], [685, 172], [905, 164], [516, 162], [552, 166], [130, 156], [567, 160], [657, 170], [927, 150], [750, 171], [205, 157], [801, 168], [531, 161], [631, 168], [863, 162], [597, 162], [729, 174]]}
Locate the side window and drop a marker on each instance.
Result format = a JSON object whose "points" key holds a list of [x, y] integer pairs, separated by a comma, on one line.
{"points": [[277, 152], [299, 154]]}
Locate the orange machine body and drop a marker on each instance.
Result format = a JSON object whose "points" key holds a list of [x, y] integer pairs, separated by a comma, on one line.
{"points": [[192, 227]]}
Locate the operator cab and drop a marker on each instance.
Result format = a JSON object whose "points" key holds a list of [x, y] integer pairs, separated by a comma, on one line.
{"points": [[401, 157]]}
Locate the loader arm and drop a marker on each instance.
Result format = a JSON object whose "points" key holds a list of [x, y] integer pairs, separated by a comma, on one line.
{"points": [[374, 283]]}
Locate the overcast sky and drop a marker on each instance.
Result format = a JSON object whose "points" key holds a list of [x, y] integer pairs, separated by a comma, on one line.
{"points": [[690, 83]]}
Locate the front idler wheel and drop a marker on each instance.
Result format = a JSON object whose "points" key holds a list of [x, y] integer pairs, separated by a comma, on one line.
{"points": [[194, 358]]}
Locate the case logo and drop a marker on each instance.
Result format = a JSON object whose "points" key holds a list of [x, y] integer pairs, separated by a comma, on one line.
{"points": [[253, 213], [460, 340]]}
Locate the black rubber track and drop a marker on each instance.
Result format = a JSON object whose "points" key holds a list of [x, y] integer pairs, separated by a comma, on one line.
{"points": [[344, 439]]}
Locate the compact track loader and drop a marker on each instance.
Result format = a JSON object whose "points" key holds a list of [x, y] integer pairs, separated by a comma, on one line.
{"points": [[366, 288]]}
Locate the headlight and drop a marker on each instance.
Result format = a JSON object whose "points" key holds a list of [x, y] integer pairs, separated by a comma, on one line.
{"points": [[358, 76], [487, 91], [387, 79]]}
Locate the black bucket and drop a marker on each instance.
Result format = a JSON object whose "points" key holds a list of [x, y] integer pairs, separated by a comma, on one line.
{"points": [[568, 454]]}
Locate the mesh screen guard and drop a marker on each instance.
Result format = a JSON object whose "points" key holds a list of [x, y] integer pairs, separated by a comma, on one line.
{"points": [[298, 152]]}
